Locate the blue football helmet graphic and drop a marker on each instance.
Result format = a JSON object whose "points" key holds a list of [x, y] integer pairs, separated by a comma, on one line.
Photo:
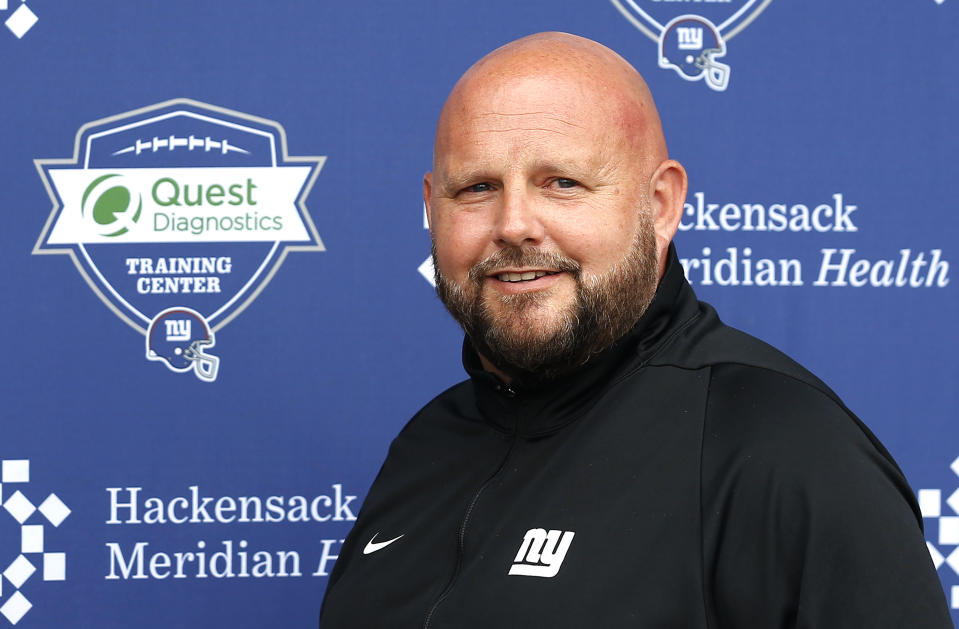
{"points": [[689, 45], [179, 338]]}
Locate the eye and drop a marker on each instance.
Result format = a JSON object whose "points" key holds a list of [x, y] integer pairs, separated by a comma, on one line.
{"points": [[564, 182], [478, 187]]}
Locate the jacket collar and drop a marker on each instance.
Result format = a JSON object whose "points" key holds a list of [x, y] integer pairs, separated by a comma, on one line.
{"points": [[547, 406]]}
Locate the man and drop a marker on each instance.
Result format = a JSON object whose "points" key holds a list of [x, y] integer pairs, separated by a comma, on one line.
{"points": [[618, 457]]}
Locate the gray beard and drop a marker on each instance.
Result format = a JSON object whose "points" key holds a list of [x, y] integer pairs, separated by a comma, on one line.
{"points": [[605, 308]]}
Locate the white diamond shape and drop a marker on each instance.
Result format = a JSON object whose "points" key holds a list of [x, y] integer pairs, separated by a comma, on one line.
{"points": [[54, 510], [16, 471], [19, 507], [15, 608], [937, 558], [21, 21], [426, 270], [953, 501], [930, 503], [19, 571], [953, 560]]}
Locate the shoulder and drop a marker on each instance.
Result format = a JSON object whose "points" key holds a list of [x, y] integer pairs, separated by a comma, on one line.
{"points": [[457, 401], [781, 440], [800, 497], [758, 399], [705, 341], [759, 406], [773, 429], [771, 420], [443, 424]]}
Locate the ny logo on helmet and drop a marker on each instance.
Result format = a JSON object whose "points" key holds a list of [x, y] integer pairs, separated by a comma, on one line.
{"points": [[178, 338], [691, 44]]}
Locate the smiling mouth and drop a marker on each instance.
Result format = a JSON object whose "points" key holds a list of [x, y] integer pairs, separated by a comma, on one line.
{"points": [[523, 277]]}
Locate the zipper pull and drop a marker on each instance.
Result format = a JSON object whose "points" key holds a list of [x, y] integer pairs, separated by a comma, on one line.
{"points": [[506, 390]]}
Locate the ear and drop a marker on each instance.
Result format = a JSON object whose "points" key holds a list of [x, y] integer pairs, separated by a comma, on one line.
{"points": [[667, 197], [427, 191]]}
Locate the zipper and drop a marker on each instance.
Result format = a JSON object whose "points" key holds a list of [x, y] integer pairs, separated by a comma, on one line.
{"points": [[506, 391], [461, 534]]}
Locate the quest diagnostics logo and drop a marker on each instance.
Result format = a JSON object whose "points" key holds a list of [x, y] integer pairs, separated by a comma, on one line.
{"points": [[25, 554], [109, 205], [691, 35], [177, 215]]}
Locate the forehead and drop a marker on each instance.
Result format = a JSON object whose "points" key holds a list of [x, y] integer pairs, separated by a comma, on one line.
{"points": [[497, 117]]}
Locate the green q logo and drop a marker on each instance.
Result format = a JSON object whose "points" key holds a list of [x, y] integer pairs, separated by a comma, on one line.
{"points": [[109, 205]]}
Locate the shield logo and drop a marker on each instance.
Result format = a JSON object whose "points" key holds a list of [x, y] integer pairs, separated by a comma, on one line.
{"points": [[180, 206], [690, 43]]}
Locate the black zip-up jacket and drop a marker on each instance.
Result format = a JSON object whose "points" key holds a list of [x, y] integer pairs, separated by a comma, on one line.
{"points": [[689, 477]]}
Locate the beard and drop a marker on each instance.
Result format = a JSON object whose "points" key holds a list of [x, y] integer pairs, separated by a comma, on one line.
{"points": [[506, 330]]}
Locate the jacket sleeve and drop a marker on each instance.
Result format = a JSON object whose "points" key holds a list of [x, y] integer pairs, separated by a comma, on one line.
{"points": [[807, 521]]}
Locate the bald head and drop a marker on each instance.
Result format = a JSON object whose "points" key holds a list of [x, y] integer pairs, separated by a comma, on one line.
{"points": [[568, 68]]}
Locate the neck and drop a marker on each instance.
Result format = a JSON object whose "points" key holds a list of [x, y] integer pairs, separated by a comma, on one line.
{"points": [[490, 367]]}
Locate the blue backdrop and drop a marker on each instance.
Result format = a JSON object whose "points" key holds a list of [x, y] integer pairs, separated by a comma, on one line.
{"points": [[139, 491]]}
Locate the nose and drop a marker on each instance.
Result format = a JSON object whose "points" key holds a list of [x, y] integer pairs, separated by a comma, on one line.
{"points": [[518, 222]]}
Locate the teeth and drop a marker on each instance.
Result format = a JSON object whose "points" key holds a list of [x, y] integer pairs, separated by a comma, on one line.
{"points": [[520, 277]]}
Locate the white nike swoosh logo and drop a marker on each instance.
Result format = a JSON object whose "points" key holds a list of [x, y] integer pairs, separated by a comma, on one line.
{"points": [[372, 547]]}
